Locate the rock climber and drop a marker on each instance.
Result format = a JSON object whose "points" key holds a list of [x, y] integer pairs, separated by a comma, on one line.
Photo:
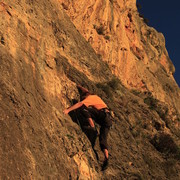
{"points": [[94, 108]]}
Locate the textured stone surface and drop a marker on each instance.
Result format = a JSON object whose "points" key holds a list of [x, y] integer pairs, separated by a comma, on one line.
{"points": [[135, 52], [42, 58]]}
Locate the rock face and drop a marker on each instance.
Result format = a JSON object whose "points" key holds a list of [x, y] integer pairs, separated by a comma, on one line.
{"points": [[135, 52], [43, 55]]}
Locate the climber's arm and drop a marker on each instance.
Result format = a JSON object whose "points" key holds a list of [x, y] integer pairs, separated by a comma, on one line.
{"points": [[75, 106], [82, 88]]}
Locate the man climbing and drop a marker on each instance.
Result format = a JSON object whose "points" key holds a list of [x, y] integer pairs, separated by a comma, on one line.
{"points": [[94, 108]]}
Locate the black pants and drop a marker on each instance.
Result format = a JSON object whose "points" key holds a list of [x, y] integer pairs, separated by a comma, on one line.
{"points": [[103, 119]]}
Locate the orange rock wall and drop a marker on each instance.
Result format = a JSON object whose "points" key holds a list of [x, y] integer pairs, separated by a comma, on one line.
{"points": [[135, 52]]}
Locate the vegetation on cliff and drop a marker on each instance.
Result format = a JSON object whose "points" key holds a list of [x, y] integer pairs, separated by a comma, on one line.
{"points": [[43, 56]]}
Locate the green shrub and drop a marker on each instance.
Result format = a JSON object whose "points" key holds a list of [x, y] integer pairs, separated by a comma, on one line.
{"points": [[136, 92], [164, 143], [152, 102], [114, 83], [110, 86], [105, 88], [163, 112]]}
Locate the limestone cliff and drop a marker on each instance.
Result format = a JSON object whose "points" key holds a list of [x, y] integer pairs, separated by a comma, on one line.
{"points": [[135, 52], [43, 55]]}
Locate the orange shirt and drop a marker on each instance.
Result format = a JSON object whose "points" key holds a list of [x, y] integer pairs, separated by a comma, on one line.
{"points": [[95, 101]]}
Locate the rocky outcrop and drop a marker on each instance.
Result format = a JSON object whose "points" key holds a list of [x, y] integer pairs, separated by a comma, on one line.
{"points": [[135, 52], [42, 59]]}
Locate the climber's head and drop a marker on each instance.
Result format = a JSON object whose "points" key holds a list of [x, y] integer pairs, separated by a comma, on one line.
{"points": [[83, 92], [84, 95]]}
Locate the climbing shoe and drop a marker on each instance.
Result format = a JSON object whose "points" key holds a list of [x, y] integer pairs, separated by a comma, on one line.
{"points": [[105, 164]]}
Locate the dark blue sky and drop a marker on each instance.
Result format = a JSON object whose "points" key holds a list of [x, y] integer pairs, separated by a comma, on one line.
{"points": [[164, 16]]}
